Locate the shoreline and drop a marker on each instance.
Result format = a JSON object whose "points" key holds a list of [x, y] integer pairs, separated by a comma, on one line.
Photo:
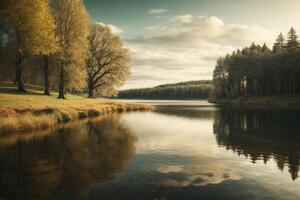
{"points": [[6, 140], [25, 120], [289, 102], [32, 111]]}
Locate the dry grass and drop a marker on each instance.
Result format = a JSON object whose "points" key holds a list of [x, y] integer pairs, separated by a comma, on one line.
{"points": [[32, 111]]}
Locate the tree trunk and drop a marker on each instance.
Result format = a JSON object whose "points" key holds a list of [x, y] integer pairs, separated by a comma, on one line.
{"points": [[61, 94], [46, 76], [91, 93], [19, 74], [91, 87], [19, 79]]}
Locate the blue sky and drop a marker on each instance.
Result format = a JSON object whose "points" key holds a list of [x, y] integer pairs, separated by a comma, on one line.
{"points": [[179, 40]]}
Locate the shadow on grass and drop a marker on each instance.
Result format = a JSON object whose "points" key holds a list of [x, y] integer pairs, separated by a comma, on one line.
{"points": [[11, 88], [16, 92]]}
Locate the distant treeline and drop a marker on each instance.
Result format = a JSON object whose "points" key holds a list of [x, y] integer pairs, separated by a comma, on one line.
{"points": [[259, 71], [182, 90]]}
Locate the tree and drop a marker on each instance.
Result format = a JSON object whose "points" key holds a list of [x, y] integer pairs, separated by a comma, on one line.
{"points": [[32, 26], [182, 90], [72, 29], [292, 41], [265, 49], [51, 43], [279, 45], [256, 71], [4, 64], [107, 62]]}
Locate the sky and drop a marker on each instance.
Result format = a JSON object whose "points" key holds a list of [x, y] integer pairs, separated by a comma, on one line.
{"points": [[180, 40]]}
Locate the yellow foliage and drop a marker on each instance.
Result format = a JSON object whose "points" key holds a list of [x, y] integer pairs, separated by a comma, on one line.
{"points": [[33, 26], [72, 27]]}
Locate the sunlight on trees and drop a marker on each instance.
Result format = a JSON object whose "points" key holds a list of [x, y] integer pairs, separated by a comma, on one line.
{"points": [[107, 62], [55, 41], [32, 28], [72, 29], [257, 71]]}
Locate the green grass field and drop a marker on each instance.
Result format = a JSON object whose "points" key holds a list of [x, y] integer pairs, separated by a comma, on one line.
{"points": [[32, 111]]}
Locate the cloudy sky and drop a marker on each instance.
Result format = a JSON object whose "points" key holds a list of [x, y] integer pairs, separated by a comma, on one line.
{"points": [[179, 40]]}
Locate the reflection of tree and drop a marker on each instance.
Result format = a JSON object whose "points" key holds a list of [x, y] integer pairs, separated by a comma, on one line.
{"points": [[112, 145], [261, 135], [193, 112], [64, 165]]}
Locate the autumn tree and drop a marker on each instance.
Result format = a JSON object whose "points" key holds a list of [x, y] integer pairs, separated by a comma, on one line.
{"points": [[33, 34], [50, 40], [107, 62], [3, 47], [72, 28]]}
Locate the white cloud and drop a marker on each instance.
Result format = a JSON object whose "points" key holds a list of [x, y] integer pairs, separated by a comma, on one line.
{"points": [[188, 47], [183, 18], [115, 29], [157, 11]]}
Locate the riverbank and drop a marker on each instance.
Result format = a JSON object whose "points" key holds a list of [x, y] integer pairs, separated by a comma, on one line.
{"points": [[32, 111], [291, 102]]}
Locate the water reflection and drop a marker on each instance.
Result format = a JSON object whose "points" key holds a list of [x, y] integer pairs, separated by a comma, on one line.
{"points": [[192, 112], [261, 135], [65, 164], [183, 152]]}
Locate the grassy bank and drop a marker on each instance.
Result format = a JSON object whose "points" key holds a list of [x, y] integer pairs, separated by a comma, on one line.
{"points": [[32, 111], [290, 102]]}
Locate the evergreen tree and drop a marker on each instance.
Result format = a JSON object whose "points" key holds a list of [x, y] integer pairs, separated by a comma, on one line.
{"points": [[292, 41], [265, 49], [279, 45], [256, 71]]}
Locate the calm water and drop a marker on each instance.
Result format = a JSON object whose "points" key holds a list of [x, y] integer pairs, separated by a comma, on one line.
{"points": [[184, 150]]}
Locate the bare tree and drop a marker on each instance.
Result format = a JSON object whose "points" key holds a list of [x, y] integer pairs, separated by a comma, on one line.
{"points": [[107, 62]]}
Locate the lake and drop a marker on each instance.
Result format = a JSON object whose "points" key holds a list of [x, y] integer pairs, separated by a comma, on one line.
{"points": [[183, 150]]}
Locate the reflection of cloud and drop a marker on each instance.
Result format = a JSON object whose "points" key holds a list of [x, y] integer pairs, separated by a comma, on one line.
{"points": [[170, 168], [188, 43], [198, 173]]}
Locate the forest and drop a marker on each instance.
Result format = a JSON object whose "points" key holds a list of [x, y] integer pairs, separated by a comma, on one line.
{"points": [[182, 90], [260, 71], [55, 44]]}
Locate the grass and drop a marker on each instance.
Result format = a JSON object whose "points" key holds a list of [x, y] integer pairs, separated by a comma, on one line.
{"points": [[32, 111]]}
